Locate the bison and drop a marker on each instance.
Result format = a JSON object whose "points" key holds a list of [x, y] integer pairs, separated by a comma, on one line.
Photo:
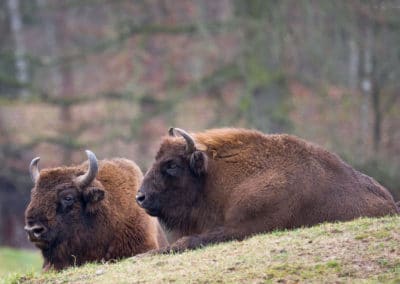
{"points": [[87, 213], [226, 184]]}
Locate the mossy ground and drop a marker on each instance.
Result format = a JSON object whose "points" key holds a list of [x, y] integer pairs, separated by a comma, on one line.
{"points": [[364, 250]]}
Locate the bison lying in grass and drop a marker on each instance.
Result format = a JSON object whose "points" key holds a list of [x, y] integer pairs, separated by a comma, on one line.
{"points": [[87, 213], [226, 184]]}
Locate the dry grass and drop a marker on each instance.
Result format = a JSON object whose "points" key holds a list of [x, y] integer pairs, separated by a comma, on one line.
{"points": [[364, 250]]}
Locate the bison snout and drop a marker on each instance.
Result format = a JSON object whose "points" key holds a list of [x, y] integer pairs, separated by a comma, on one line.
{"points": [[35, 232], [148, 203], [140, 198]]}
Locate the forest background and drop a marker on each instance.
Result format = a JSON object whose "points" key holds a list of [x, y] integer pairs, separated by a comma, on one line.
{"points": [[113, 76]]}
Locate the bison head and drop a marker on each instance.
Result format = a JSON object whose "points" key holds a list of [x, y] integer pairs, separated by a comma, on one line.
{"points": [[174, 183], [62, 203]]}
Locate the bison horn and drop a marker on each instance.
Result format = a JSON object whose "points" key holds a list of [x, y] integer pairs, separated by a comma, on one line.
{"points": [[190, 145], [85, 179], [34, 170]]}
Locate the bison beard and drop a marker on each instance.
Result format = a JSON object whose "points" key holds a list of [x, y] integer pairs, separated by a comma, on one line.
{"points": [[87, 213], [226, 184]]}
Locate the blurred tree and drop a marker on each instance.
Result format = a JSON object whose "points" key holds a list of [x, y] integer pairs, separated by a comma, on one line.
{"points": [[379, 28], [21, 64], [265, 103]]}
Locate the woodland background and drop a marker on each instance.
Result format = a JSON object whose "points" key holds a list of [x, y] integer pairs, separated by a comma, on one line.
{"points": [[113, 75]]}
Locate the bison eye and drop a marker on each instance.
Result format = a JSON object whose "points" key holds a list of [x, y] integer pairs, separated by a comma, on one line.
{"points": [[67, 200], [172, 169]]}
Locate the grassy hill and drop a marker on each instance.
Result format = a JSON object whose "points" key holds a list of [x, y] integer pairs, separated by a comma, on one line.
{"points": [[364, 250]]}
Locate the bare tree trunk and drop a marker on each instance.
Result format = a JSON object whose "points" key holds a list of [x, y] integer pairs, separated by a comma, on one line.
{"points": [[354, 59], [66, 90], [21, 64], [376, 106], [366, 86], [379, 76], [371, 86], [49, 22], [354, 80], [61, 77]]}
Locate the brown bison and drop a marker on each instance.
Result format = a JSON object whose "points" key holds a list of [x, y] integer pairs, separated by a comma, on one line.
{"points": [[226, 184], [87, 213]]}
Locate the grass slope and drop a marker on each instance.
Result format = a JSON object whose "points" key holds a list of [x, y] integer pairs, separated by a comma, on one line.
{"points": [[364, 250], [14, 261]]}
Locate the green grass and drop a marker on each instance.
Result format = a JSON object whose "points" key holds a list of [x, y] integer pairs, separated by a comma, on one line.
{"points": [[364, 250], [17, 262]]}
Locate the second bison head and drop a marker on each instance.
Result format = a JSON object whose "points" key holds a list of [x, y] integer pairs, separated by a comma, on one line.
{"points": [[176, 179]]}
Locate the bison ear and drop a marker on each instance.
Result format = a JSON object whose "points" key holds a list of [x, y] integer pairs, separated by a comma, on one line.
{"points": [[93, 195], [198, 163]]}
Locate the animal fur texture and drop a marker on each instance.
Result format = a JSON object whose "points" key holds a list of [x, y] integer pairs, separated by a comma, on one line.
{"points": [[100, 221], [225, 184]]}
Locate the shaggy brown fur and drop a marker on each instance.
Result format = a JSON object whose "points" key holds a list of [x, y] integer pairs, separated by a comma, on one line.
{"points": [[238, 182], [98, 222]]}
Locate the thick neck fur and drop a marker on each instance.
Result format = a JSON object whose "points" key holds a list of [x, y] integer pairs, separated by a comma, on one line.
{"points": [[190, 219], [99, 237]]}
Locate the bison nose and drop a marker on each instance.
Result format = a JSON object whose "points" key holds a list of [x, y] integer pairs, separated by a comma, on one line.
{"points": [[35, 231], [140, 197]]}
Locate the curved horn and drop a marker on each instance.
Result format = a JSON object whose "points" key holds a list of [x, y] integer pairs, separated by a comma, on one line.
{"points": [[190, 145], [171, 132], [34, 169], [90, 175]]}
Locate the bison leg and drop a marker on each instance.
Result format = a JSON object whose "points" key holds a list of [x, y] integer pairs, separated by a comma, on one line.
{"points": [[220, 234]]}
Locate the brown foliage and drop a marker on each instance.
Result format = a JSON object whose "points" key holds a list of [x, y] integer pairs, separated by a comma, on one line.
{"points": [[238, 182]]}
